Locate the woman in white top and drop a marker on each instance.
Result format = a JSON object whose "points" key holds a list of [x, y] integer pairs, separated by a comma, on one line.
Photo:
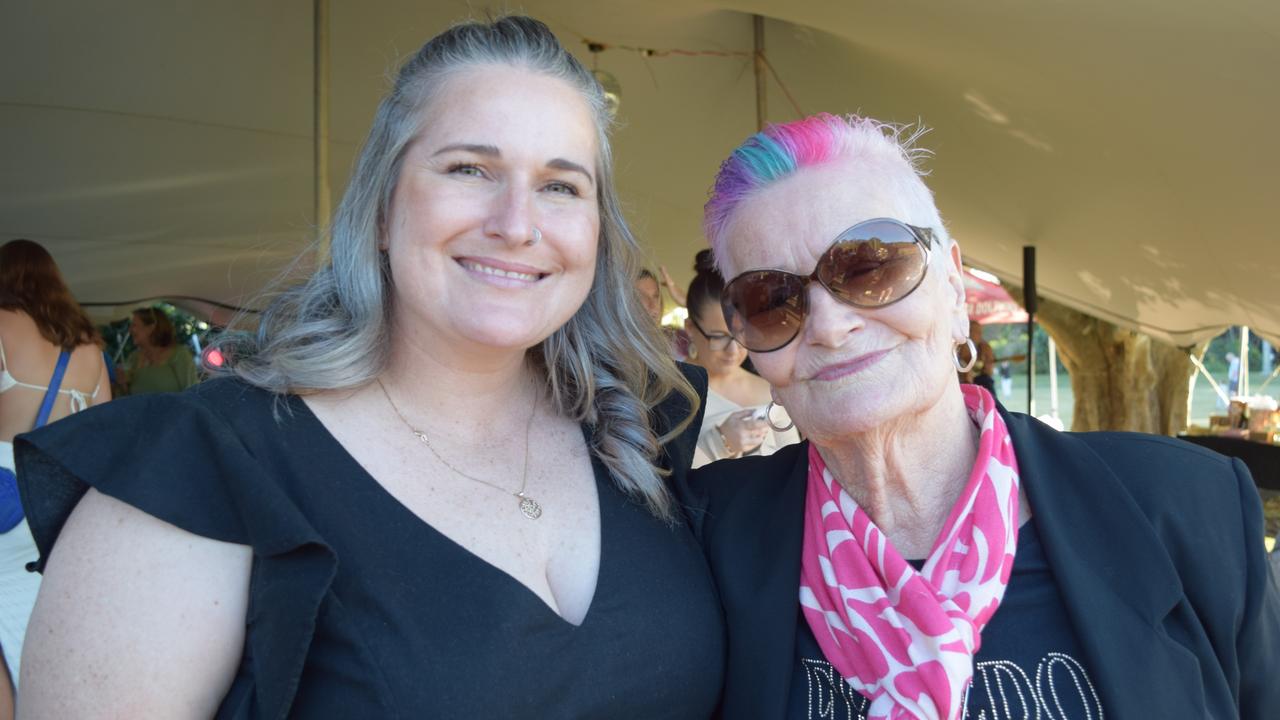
{"points": [[739, 412], [39, 319]]}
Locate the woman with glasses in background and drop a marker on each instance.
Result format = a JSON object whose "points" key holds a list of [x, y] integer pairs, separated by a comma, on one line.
{"points": [[926, 554], [737, 419]]}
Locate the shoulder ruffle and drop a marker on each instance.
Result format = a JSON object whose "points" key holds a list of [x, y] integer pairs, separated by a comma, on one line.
{"points": [[180, 457]]}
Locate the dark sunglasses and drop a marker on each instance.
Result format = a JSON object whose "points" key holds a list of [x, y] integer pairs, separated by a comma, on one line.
{"points": [[715, 341], [872, 264]]}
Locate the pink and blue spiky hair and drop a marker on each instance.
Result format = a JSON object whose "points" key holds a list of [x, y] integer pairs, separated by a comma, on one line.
{"points": [[781, 150]]}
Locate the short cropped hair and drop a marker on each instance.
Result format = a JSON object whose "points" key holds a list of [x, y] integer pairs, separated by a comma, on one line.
{"points": [[884, 149]]}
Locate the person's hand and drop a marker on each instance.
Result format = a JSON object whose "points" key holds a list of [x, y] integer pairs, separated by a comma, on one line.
{"points": [[676, 293], [742, 432]]}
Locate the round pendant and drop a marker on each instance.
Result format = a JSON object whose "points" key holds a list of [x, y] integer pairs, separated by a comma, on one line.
{"points": [[530, 507]]}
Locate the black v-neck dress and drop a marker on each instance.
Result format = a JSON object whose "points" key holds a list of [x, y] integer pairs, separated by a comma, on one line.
{"points": [[359, 609]]}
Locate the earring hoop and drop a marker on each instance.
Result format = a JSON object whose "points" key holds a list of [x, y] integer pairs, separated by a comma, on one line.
{"points": [[768, 417], [973, 356], [536, 238]]}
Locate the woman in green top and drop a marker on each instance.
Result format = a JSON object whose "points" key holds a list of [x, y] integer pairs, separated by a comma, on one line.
{"points": [[159, 364]]}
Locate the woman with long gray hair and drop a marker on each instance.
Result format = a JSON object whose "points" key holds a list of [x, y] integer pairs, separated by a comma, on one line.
{"points": [[435, 482]]}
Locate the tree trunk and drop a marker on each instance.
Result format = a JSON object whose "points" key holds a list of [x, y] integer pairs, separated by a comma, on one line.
{"points": [[1122, 379]]}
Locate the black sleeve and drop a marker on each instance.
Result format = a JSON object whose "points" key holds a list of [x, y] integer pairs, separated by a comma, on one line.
{"points": [[1258, 636], [166, 454], [180, 458], [675, 409], [679, 450]]}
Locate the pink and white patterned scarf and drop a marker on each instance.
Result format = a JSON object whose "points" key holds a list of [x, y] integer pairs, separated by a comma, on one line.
{"points": [[906, 639]]}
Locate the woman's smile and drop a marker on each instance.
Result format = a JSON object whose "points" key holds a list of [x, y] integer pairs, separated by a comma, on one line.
{"points": [[501, 274], [845, 368]]}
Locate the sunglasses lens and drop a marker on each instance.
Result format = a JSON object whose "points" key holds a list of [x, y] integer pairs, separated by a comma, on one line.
{"points": [[764, 308], [873, 264]]}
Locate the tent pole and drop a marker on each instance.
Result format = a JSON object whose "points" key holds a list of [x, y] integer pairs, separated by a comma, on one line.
{"points": [[1029, 302], [1242, 387], [1212, 383], [1191, 384], [1031, 365], [1053, 378], [320, 113], [1270, 377], [757, 23]]}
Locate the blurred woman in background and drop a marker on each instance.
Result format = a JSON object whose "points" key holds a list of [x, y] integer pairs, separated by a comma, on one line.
{"points": [[160, 364], [46, 341], [740, 418]]}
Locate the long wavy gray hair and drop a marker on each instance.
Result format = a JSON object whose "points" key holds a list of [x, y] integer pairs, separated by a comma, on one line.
{"points": [[607, 367]]}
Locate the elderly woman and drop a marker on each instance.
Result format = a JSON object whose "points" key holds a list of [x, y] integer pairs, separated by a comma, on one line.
{"points": [[926, 554], [432, 488]]}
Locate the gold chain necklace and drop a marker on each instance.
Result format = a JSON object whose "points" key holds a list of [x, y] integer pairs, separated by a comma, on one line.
{"points": [[528, 506]]}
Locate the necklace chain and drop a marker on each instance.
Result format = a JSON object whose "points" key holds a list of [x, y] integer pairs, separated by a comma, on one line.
{"points": [[528, 506]]}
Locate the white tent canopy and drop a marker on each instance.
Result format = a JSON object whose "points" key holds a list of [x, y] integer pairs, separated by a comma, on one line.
{"points": [[165, 149]]}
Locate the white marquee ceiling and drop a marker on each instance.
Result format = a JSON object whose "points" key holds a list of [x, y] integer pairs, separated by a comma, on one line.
{"points": [[164, 149]]}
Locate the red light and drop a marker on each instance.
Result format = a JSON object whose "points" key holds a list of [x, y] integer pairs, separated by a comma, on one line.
{"points": [[213, 358]]}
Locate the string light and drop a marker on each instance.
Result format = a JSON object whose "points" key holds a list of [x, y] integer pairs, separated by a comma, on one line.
{"points": [[598, 47], [613, 90]]}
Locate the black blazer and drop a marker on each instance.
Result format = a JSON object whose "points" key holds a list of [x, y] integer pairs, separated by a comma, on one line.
{"points": [[1156, 546]]}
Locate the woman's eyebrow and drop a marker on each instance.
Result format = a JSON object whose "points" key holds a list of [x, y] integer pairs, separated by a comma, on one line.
{"points": [[562, 164], [491, 151], [471, 148]]}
